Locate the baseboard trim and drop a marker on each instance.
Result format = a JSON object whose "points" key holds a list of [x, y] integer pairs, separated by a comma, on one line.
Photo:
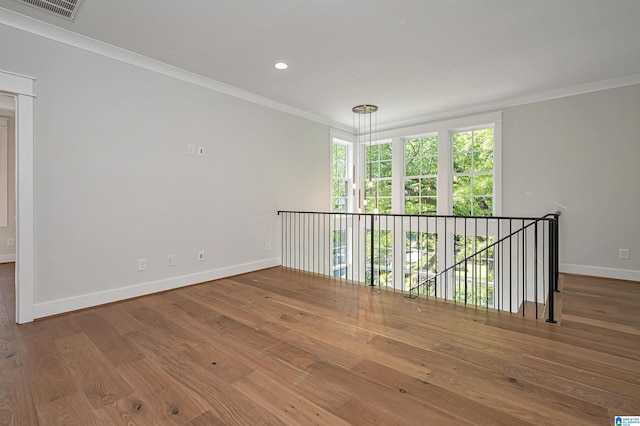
{"points": [[60, 306], [7, 258], [595, 271]]}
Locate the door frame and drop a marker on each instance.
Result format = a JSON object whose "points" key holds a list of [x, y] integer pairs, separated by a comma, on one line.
{"points": [[21, 87]]}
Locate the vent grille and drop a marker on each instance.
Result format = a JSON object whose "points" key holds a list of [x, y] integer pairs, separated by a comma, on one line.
{"points": [[65, 8]]}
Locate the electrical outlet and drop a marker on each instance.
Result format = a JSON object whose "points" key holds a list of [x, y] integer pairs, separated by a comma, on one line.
{"points": [[169, 260], [201, 256], [267, 245], [142, 264], [624, 254], [11, 242]]}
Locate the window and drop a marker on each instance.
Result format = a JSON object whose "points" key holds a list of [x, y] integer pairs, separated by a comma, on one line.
{"points": [[472, 186], [340, 191], [447, 168], [378, 177], [421, 175]]}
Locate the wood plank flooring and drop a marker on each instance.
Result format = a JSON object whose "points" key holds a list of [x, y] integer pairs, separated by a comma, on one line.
{"points": [[286, 347]]}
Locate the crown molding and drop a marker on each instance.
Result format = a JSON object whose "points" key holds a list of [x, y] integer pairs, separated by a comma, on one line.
{"points": [[596, 86], [43, 29], [61, 35]]}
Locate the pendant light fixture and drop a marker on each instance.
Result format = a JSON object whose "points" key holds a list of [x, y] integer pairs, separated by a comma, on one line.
{"points": [[365, 123]]}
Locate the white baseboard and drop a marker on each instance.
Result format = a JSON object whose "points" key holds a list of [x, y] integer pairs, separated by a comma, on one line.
{"points": [[595, 271], [75, 303], [7, 258]]}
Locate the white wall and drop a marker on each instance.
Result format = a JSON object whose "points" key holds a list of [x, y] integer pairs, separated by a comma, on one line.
{"points": [[113, 182], [8, 252], [579, 155]]}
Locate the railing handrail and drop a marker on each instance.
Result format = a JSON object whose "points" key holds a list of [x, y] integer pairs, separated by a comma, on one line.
{"points": [[423, 215], [466, 259]]}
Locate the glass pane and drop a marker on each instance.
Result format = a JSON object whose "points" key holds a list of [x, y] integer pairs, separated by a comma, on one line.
{"points": [[483, 140], [411, 205], [483, 185], [412, 166], [384, 205], [385, 169], [372, 153], [412, 147], [371, 205], [462, 206], [384, 188], [462, 163], [339, 188], [430, 146], [483, 161], [462, 141], [430, 165], [429, 205], [429, 186], [461, 185], [373, 170], [411, 187], [385, 151], [339, 170], [482, 206]]}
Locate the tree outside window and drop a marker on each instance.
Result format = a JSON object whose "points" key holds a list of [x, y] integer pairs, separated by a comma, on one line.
{"points": [[421, 176], [472, 185], [378, 177]]}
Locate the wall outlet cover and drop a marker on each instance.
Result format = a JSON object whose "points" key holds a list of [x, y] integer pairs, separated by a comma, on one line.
{"points": [[142, 264]]}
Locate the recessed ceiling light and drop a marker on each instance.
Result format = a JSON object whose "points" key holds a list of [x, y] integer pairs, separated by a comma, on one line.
{"points": [[281, 66]]}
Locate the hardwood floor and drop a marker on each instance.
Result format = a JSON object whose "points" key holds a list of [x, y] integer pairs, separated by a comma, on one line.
{"points": [[286, 347]]}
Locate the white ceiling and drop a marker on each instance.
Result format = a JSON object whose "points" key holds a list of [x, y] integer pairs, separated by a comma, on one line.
{"points": [[415, 59]]}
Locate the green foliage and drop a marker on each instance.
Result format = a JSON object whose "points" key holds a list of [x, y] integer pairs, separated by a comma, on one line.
{"points": [[420, 257], [473, 172], [382, 257], [421, 168], [480, 294], [421, 156]]}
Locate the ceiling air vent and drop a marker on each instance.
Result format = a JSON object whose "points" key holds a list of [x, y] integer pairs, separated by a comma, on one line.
{"points": [[65, 8]]}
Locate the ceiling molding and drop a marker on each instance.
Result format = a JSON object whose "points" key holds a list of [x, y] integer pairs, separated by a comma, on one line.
{"points": [[43, 29], [596, 86]]}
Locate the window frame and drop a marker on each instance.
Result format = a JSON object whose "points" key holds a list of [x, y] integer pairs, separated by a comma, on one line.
{"points": [[444, 130], [342, 139], [364, 178], [421, 176]]}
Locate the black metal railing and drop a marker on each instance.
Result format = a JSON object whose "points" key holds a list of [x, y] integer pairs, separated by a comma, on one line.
{"points": [[503, 263]]}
